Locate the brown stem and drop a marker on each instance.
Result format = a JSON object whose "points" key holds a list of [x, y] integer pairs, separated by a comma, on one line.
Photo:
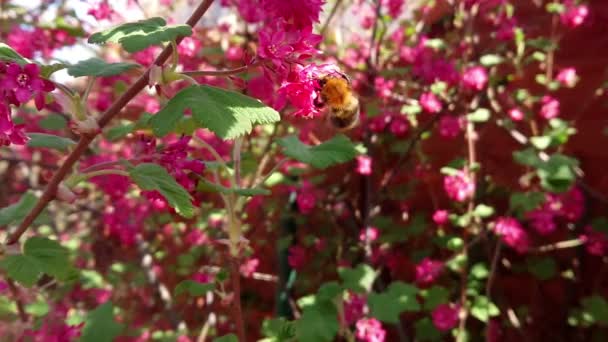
{"points": [[227, 72], [85, 140], [235, 276], [17, 297]]}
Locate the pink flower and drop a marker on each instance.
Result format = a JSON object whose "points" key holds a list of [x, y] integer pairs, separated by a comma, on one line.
{"points": [[459, 186], [249, 267], [354, 307], [430, 103], [297, 257], [394, 7], [101, 11], [428, 270], [574, 16], [440, 217], [506, 30], [300, 13], [26, 82], [516, 114], [450, 126], [306, 201], [475, 78], [399, 126], [445, 316], [550, 107], [370, 330], [364, 165], [512, 233], [284, 43], [567, 77], [542, 221], [369, 234], [204, 278], [596, 243]]}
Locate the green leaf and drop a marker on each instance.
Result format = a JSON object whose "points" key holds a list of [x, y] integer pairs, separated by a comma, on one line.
{"points": [[98, 67], [542, 268], [53, 122], [53, 257], [8, 54], [38, 308], [50, 141], [118, 132], [597, 308], [480, 115], [426, 330], [521, 202], [227, 338], [435, 296], [541, 142], [482, 210], [22, 268], [490, 60], [318, 323], [557, 174], [154, 177], [205, 185], [100, 325], [555, 8], [483, 309], [226, 113], [480, 271], [278, 329], [359, 279], [528, 157], [137, 36], [389, 305], [193, 288], [15, 213], [337, 150]]}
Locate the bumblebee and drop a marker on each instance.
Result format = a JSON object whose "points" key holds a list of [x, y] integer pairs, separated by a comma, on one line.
{"points": [[343, 106]]}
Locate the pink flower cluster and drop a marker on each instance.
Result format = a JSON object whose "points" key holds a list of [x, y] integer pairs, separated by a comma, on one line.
{"points": [[459, 186], [18, 85], [355, 306], [574, 15], [475, 78], [568, 206], [445, 316], [38, 40], [430, 103], [596, 243], [428, 270], [512, 233], [370, 330]]}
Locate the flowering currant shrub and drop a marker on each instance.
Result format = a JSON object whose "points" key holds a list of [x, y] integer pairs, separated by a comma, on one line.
{"points": [[173, 171]]}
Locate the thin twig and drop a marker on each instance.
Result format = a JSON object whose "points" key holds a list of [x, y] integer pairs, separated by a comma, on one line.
{"points": [[17, 298], [85, 140], [228, 72]]}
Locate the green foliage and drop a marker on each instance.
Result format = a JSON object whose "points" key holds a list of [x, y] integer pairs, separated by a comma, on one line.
{"points": [[226, 113], [435, 296], [99, 68], [597, 308], [521, 202], [556, 174], [278, 330], [137, 36], [491, 60], [483, 309], [426, 331], [479, 115], [205, 185], [7, 54], [100, 325], [318, 323], [483, 211], [15, 213], [154, 177], [359, 279], [193, 288], [227, 338], [398, 298], [40, 255], [543, 268], [53, 122], [50, 141], [337, 150]]}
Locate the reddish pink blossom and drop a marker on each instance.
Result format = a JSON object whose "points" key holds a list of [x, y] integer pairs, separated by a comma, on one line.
{"points": [[428, 270], [299, 13], [430, 103], [445, 316], [399, 126], [364, 165], [567, 77], [549, 108], [297, 257], [101, 11], [516, 114], [394, 7], [450, 126], [541, 221], [506, 30], [369, 234], [25, 82], [459, 186], [249, 266], [355, 306], [370, 330], [205, 278], [574, 15], [475, 78], [596, 243], [512, 233], [383, 87], [440, 217]]}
